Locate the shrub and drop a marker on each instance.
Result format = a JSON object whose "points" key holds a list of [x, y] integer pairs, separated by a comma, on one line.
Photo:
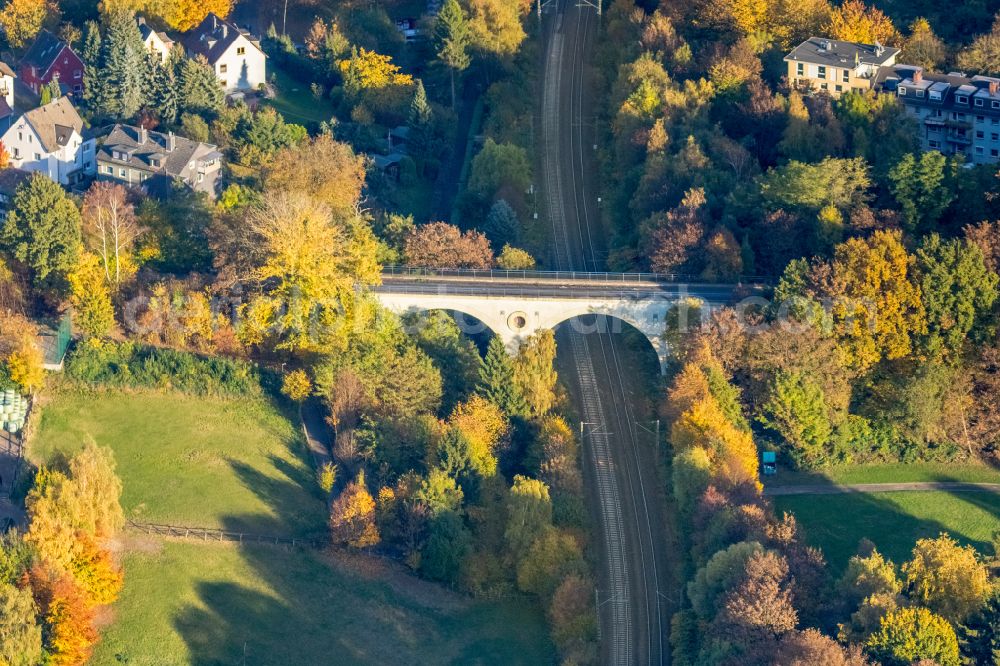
{"points": [[128, 365]]}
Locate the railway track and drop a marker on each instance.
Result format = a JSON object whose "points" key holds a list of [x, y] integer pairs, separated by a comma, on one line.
{"points": [[633, 624]]}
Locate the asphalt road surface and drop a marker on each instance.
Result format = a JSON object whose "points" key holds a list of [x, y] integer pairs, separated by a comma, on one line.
{"points": [[619, 460]]}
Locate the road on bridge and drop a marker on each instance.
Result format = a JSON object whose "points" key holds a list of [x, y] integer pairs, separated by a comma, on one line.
{"points": [[635, 582]]}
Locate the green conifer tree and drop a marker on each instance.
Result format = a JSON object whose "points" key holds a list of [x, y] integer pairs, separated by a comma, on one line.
{"points": [[496, 380]]}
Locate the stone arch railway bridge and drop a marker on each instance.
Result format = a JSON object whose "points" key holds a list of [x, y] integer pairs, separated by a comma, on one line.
{"points": [[515, 304]]}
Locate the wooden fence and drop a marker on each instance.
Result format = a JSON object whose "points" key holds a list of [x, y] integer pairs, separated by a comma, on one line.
{"points": [[230, 536]]}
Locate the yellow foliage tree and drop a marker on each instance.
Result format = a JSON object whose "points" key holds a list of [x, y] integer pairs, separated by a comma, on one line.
{"points": [[534, 371], [947, 578], [352, 516], [854, 21], [20, 352], [20, 20], [877, 306], [483, 424], [90, 295]]}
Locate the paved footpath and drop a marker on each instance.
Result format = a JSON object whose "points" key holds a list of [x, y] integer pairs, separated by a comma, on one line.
{"points": [[840, 489]]}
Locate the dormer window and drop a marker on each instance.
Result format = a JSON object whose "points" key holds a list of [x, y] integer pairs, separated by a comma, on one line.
{"points": [[961, 99]]}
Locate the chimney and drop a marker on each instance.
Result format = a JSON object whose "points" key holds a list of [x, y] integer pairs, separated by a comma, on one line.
{"points": [[171, 143], [918, 76], [994, 86]]}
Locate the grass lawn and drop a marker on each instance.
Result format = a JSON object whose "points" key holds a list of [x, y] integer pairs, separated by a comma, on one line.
{"points": [[889, 473], [296, 102], [894, 521], [206, 462], [190, 603]]}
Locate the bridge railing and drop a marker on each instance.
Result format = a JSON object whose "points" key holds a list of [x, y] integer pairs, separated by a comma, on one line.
{"points": [[582, 276]]}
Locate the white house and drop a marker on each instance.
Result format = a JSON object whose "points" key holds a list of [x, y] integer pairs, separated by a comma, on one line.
{"points": [[50, 140], [7, 77], [157, 43], [237, 58]]}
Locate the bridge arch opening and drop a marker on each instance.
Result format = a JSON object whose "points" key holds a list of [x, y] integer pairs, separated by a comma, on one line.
{"points": [[650, 351]]}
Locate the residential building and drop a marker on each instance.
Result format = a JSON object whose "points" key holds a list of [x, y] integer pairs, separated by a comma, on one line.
{"points": [[953, 114], [834, 67], [238, 61], [50, 140], [152, 161], [157, 43], [48, 58], [10, 180], [7, 77]]}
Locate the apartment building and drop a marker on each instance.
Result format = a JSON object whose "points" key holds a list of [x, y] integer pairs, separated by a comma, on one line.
{"points": [[954, 114], [834, 67]]}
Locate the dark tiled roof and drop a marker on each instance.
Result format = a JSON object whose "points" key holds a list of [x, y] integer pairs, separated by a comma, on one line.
{"points": [[822, 51], [43, 52], [54, 123], [11, 178], [139, 153], [212, 38]]}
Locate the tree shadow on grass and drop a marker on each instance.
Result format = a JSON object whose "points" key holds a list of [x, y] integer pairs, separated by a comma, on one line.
{"points": [[836, 523]]}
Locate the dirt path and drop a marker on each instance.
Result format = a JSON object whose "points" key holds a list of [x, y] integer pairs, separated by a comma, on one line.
{"points": [[840, 489]]}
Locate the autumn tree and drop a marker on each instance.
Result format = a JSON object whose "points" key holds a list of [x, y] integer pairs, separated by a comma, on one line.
{"points": [[352, 516], [21, 20], [483, 425], [111, 230], [529, 512], [910, 634], [441, 245], [307, 262], [947, 578], [853, 21], [534, 371], [329, 170], [20, 634], [496, 27], [91, 297], [42, 230], [68, 616], [923, 47]]}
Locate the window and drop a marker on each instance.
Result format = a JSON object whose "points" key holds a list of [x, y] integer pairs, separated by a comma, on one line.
{"points": [[241, 50], [223, 69], [978, 102], [799, 69], [821, 72], [961, 99]]}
